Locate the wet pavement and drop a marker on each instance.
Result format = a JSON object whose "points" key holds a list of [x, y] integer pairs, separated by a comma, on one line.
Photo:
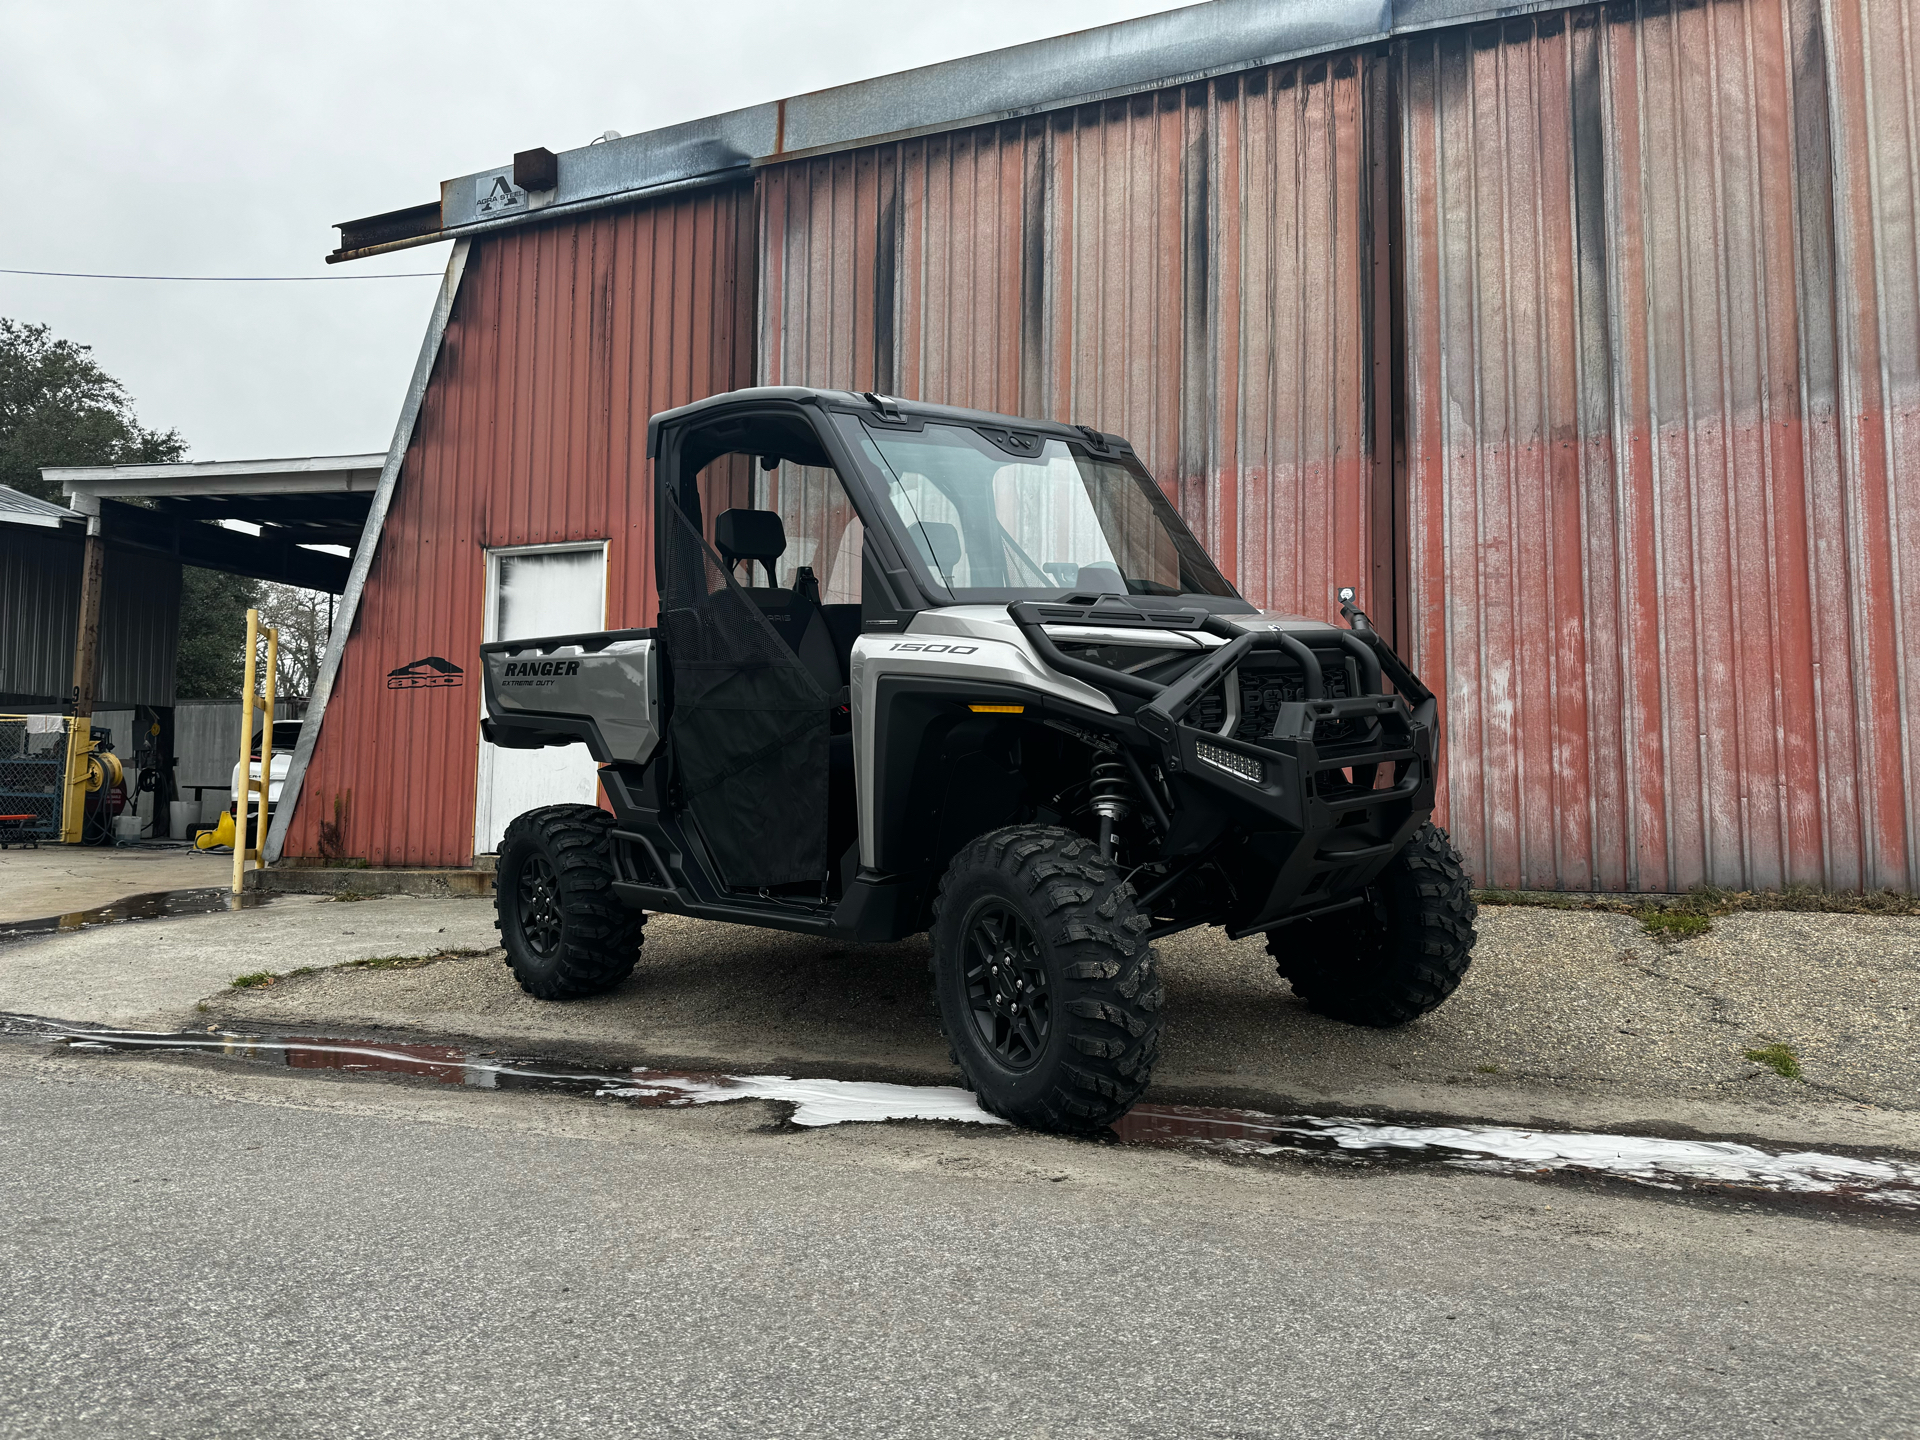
{"points": [[56, 880], [1860, 1182], [150, 906]]}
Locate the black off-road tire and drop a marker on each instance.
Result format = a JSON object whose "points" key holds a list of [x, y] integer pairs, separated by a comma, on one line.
{"points": [[1397, 956], [564, 931], [1085, 971]]}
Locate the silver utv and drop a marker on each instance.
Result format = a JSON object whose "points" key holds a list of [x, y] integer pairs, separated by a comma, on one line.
{"points": [[920, 669]]}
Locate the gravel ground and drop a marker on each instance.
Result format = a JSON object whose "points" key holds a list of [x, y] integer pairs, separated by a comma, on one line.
{"points": [[1576, 1018]]}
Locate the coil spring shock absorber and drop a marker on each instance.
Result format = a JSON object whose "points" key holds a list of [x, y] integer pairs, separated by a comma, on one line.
{"points": [[1111, 793]]}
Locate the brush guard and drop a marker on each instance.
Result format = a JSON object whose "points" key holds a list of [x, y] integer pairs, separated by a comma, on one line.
{"points": [[1317, 773]]}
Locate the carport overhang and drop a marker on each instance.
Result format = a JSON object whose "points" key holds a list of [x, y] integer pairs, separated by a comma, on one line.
{"points": [[175, 509]]}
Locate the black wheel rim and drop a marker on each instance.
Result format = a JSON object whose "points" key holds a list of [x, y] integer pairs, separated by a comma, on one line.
{"points": [[1007, 989], [539, 906]]}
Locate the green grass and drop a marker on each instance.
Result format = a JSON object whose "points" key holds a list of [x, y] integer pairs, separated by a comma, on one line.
{"points": [[255, 979], [1778, 1057], [405, 963], [1666, 925], [1715, 901], [1540, 900]]}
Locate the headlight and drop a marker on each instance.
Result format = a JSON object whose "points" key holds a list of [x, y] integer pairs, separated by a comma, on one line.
{"points": [[1233, 762]]}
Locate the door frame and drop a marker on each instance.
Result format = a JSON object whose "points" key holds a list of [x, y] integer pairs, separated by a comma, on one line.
{"points": [[489, 632]]}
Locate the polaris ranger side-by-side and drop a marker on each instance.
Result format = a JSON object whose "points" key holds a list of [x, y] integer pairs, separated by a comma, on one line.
{"points": [[927, 669]]}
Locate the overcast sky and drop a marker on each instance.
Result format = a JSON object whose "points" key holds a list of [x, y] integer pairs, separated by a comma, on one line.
{"points": [[200, 138]]}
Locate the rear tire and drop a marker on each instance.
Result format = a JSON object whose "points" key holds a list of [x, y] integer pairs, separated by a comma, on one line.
{"points": [[1393, 960], [1044, 980], [564, 931]]}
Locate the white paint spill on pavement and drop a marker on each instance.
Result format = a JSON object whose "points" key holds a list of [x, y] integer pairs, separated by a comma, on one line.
{"points": [[815, 1102], [1650, 1160]]}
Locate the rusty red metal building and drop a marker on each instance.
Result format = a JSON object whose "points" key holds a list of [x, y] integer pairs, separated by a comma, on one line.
{"points": [[1583, 339]]}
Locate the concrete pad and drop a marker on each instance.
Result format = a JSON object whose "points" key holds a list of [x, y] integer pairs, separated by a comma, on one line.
{"points": [[55, 880], [1567, 1018], [151, 973]]}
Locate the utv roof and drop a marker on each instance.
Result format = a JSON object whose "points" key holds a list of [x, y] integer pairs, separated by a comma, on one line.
{"points": [[875, 404]]}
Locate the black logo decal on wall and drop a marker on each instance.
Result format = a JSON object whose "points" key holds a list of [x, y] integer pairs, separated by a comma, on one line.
{"points": [[428, 671]]}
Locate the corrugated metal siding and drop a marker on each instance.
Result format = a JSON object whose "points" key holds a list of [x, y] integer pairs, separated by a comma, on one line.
{"points": [[563, 341], [139, 628], [1662, 439], [1184, 268], [39, 591], [206, 739], [39, 610]]}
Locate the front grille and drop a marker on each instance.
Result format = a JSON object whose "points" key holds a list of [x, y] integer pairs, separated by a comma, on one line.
{"points": [[1269, 681]]}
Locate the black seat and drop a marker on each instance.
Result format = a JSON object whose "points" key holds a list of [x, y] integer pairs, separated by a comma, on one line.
{"points": [[758, 536]]}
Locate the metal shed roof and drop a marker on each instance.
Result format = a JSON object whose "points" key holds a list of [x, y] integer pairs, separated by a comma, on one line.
{"points": [[19, 508], [1149, 53]]}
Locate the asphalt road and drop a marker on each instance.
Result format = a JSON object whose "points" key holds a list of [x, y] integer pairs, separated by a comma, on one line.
{"points": [[193, 1248]]}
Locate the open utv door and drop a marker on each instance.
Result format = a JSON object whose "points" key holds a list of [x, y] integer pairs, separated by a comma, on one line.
{"points": [[747, 734]]}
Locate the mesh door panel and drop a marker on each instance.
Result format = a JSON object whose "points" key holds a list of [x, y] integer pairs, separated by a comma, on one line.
{"points": [[749, 725]]}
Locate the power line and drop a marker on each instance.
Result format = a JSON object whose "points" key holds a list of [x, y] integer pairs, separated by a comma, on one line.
{"points": [[89, 275]]}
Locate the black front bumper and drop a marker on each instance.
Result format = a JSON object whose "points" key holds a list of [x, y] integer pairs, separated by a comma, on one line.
{"points": [[1302, 815], [1322, 803]]}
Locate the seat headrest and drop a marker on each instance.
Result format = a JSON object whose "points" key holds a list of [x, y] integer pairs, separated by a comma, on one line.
{"points": [[749, 535]]}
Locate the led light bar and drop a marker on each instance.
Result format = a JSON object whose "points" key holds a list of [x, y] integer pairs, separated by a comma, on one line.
{"points": [[995, 709], [1233, 762]]}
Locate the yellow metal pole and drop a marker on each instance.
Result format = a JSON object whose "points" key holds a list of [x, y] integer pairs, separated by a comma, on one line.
{"points": [[73, 804], [243, 790], [259, 850]]}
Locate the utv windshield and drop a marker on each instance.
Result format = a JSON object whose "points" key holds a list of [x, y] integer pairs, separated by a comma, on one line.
{"points": [[991, 525]]}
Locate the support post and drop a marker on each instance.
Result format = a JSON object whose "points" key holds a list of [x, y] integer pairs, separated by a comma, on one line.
{"points": [[86, 666], [243, 791], [259, 849]]}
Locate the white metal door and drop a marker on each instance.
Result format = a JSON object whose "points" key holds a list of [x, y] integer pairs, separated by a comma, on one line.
{"points": [[537, 591]]}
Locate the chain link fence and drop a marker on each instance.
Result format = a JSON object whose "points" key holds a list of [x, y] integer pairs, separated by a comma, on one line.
{"points": [[33, 775]]}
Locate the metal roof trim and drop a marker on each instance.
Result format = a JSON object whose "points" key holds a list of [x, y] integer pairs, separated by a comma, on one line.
{"points": [[1151, 52], [314, 472]]}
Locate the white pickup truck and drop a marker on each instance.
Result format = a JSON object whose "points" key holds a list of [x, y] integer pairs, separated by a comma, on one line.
{"points": [[286, 735]]}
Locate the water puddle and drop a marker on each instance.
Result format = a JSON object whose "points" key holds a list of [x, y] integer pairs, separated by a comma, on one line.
{"points": [[150, 906], [1721, 1167]]}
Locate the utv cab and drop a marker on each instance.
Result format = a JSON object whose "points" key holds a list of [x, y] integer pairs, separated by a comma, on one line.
{"points": [[928, 669]]}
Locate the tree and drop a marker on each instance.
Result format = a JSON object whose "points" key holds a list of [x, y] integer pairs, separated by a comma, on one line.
{"points": [[213, 633], [58, 407], [302, 618]]}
